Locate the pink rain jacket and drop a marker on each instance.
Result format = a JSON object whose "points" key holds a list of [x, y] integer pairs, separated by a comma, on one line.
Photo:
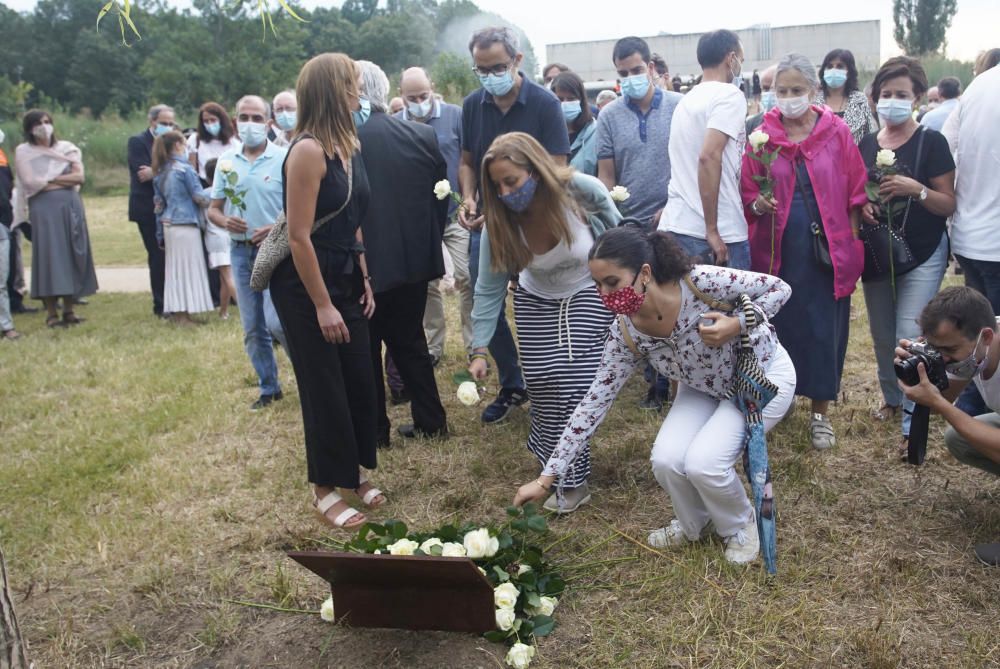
{"points": [[838, 177]]}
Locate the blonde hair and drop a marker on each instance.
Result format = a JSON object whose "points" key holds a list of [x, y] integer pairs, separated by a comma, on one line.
{"points": [[163, 148], [550, 203], [326, 86]]}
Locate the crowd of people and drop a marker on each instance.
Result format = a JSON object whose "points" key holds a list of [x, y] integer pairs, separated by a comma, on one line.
{"points": [[742, 236]]}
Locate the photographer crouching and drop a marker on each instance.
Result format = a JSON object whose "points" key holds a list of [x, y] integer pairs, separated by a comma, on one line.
{"points": [[960, 343]]}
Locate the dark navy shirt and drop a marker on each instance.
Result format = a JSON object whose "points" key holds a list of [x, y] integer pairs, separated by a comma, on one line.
{"points": [[537, 112]]}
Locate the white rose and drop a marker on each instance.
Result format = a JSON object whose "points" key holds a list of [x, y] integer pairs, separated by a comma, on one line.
{"points": [[378, 551], [442, 189], [403, 547], [548, 605], [505, 595], [451, 549], [885, 158], [479, 544], [433, 541], [225, 166], [468, 394], [505, 619], [758, 138], [523, 569], [519, 656], [326, 611], [620, 194]]}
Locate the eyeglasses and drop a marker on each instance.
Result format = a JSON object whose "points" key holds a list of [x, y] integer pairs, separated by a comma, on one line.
{"points": [[498, 70]]}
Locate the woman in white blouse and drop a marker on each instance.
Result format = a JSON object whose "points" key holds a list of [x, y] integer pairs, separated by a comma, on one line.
{"points": [[667, 317]]}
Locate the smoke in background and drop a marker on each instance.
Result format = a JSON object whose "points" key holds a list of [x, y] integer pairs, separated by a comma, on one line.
{"points": [[455, 38]]}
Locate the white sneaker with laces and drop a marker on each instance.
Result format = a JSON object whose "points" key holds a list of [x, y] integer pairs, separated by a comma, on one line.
{"points": [[672, 536], [743, 546]]}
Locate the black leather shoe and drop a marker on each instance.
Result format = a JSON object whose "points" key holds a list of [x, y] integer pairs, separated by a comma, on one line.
{"points": [[989, 554], [411, 432], [265, 400], [397, 397]]}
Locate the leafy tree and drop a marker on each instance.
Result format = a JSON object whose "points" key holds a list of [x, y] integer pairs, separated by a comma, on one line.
{"points": [[453, 77], [395, 41], [359, 12], [921, 25]]}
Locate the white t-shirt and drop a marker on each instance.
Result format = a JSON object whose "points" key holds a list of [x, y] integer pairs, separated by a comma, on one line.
{"points": [[563, 271], [990, 388], [208, 150], [973, 132], [722, 107]]}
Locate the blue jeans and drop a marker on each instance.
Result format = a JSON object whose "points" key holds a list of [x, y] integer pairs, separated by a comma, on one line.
{"points": [[502, 346], [739, 252], [891, 320], [259, 319], [984, 276]]}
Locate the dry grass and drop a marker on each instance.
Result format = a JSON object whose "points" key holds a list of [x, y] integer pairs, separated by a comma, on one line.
{"points": [[138, 495]]}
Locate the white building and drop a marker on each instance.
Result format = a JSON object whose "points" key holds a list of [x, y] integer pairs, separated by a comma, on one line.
{"points": [[762, 46]]}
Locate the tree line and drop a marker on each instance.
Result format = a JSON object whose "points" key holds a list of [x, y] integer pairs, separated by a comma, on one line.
{"points": [[219, 50]]}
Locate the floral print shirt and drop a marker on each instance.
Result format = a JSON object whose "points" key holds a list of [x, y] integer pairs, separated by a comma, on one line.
{"points": [[683, 356]]}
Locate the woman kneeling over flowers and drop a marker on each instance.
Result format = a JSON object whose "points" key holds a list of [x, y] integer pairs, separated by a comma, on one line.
{"points": [[669, 324]]}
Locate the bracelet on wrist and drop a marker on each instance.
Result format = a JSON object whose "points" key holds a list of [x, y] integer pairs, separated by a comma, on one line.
{"points": [[475, 355], [541, 485], [753, 207]]}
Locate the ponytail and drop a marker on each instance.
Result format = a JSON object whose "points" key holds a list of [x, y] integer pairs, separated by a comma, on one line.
{"points": [[163, 148], [631, 247]]}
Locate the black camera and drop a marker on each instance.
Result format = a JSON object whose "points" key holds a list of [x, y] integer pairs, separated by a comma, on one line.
{"points": [[922, 352], [906, 371]]}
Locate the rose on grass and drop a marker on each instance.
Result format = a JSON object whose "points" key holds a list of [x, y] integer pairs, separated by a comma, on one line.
{"points": [[468, 393], [505, 619], [519, 656], [547, 606], [885, 158], [479, 544], [326, 611], [523, 569], [620, 194], [430, 543], [505, 595], [451, 549], [758, 138], [442, 189], [403, 547]]}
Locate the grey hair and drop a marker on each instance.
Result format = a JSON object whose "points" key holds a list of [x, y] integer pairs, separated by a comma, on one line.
{"points": [[374, 85], [798, 63], [606, 94], [487, 37], [155, 110], [267, 105]]}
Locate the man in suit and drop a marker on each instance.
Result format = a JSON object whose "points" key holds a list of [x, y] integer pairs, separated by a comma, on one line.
{"points": [[140, 195], [403, 229]]}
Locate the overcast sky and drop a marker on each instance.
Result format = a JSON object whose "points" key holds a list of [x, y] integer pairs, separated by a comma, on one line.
{"points": [[552, 21]]}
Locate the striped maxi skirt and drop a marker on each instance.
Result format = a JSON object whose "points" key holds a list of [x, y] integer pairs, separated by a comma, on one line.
{"points": [[561, 343]]}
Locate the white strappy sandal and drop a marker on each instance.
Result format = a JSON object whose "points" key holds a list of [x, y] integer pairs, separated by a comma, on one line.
{"points": [[371, 495], [325, 504]]}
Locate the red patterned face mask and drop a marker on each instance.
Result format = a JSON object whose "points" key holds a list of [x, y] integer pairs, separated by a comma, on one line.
{"points": [[624, 301]]}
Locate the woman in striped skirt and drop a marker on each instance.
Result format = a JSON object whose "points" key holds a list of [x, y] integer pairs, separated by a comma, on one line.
{"points": [[541, 220]]}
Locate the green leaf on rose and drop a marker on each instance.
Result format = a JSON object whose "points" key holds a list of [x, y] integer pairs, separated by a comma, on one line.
{"points": [[533, 600], [501, 574], [448, 533], [542, 625], [528, 580], [521, 525], [513, 511], [871, 190], [496, 636], [505, 540], [538, 524], [458, 378], [436, 550], [232, 178]]}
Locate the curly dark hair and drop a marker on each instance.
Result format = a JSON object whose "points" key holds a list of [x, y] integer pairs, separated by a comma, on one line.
{"points": [[847, 58], [631, 247]]}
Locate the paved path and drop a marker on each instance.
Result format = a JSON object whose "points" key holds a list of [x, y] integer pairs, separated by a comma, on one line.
{"points": [[115, 279]]}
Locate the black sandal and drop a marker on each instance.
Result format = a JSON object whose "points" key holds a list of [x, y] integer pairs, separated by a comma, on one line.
{"points": [[70, 318], [54, 322]]}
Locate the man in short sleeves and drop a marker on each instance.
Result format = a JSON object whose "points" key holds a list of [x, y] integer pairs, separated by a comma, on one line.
{"points": [[707, 136], [508, 102]]}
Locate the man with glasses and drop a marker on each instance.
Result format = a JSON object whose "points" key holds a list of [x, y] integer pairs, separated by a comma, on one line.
{"points": [[508, 102]]}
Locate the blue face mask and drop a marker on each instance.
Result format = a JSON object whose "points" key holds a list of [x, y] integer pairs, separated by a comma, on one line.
{"points": [[213, 128], [286, 119], [572, 110], [252, 134], [768, 100], [518, 200], [497, 85], [162, 129], [835, 78], [361, 115], [894, 111], [636, 86]]}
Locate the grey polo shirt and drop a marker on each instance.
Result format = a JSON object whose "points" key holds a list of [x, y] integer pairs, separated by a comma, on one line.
{"points": [[638, 144]]}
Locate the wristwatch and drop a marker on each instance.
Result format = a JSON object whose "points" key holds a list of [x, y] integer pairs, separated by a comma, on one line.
{"points": [[923, 193]]}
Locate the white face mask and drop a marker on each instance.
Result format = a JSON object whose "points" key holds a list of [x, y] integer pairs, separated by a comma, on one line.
{"points": [[420, 109], [42, 132], [2, 136], [794, 107]]}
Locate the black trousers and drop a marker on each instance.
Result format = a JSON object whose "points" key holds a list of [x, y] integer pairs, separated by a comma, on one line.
{"points": [[156, 260], [336, 386], [16, 299], [399, 323]]}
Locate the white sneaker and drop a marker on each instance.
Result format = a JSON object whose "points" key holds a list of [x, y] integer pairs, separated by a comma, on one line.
{"points": [[743, 546], [672, 536], [821, 432]]}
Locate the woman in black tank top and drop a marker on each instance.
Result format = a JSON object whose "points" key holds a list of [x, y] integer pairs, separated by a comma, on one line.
{"points": [[322, 293]]}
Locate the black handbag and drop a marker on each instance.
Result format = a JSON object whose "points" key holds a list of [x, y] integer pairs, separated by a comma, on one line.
{"points": [[820, 244], [882, 239]]}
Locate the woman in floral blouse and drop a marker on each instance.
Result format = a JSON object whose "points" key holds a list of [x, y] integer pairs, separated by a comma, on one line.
{"points": [[667, 318]]}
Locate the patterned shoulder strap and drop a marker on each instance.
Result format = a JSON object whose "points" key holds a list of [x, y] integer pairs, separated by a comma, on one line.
{"points": [[627, 336], [718, 305]]}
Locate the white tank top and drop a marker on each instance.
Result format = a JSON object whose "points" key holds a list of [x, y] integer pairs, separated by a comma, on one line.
{"points": [[563, 271]]}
